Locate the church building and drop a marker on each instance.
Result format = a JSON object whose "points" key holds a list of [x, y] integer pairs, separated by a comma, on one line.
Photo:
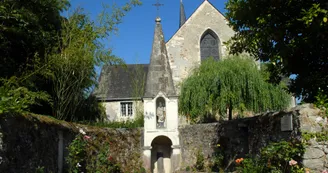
{"points": [[152, 90]]}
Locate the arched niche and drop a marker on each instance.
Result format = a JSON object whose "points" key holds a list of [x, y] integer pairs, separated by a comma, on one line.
{"points": [[161, 154], [160, 113], [209, 45]]}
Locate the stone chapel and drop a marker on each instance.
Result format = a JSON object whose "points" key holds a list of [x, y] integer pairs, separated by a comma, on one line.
{"points": [[152, 90]]}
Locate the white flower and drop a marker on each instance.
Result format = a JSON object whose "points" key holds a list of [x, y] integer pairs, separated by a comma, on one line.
{"points": [[318, 119], [82, 132], [78, 165]]}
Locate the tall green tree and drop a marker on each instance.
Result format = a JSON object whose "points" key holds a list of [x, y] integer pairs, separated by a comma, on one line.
{"points": [[232, 84], [51, 58], [28, 28], [291, 34], [80, 49]]}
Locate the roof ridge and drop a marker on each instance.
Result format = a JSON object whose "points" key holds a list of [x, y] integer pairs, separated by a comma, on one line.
{"points": [[192, 15]]}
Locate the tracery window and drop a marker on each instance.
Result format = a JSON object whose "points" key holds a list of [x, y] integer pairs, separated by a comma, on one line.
{"points": [[209, 46]]}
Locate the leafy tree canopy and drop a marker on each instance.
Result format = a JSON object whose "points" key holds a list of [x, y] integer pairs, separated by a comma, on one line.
{"points": [[291, 34], [27, 29], [50, 59], [234, 83]]}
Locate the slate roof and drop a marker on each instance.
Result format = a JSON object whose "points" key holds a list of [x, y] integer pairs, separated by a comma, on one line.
{"points": [[182, 15], [159, 77], [121, 82]]}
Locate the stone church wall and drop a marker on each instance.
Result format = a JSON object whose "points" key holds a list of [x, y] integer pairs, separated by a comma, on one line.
{"points": [[241, 137], [184, 47]]}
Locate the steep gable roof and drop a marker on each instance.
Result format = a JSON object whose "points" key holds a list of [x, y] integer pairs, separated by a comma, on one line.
{"points": [[121, 82], [159, 76], [193, 14]]}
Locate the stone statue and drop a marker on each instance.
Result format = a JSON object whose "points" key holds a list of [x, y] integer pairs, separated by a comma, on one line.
{"points": [[160, 112]]}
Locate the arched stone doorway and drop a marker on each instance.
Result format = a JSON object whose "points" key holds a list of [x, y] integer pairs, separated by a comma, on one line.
{"points": [[161, 155]]}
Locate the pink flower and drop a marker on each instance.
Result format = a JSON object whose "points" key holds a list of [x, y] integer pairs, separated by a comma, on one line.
{"points": [[292, 162], [325, 171], [86, 137], [110, 158]]}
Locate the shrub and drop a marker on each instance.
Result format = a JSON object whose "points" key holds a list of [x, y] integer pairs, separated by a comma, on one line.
{"points": [[276, 157], [322, 101], [200, 161], [16, 98]]}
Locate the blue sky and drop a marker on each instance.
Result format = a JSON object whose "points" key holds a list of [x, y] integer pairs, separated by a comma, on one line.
{"points": [[134, 39]]}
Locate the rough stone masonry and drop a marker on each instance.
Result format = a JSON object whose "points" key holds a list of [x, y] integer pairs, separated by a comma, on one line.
{"points": [[242, 137], [27, 142]]}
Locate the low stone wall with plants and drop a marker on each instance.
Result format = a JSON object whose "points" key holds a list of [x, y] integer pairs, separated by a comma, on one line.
{"points": [[314, 128], [33, 143], [223, 146]]}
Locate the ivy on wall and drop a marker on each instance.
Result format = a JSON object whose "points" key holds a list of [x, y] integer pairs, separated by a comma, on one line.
{"points": [[98, 153]]}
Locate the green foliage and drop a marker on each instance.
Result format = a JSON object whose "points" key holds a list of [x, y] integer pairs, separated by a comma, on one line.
{"points": [[217, 159], [77, 155], [57, 54], [322, 101], [16, 98], [98, 153], [200, 161], [90, 110], [251, 166], [276, 157], [318, 136], [234, 83], [104, 162], [81, 49], [188, 168], [78, 159], [291, 35], [39, 169], [28, 28], [136, 123]]}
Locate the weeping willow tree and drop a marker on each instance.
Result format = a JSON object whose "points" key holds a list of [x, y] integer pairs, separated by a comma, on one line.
{"points": [[218, 87]]}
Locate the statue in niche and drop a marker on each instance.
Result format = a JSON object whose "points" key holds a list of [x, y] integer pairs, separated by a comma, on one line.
{"points": [[160, 113]]}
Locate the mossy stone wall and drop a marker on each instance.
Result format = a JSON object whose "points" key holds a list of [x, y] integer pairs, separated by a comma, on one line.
{"points": [[29, 142]]}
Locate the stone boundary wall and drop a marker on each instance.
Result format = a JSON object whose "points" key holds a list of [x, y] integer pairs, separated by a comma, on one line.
{"points": [[242, 137], [316, 153], [31, 142]]}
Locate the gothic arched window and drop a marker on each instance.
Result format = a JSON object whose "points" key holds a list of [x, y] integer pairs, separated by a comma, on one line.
{"points": [[209, 45]]}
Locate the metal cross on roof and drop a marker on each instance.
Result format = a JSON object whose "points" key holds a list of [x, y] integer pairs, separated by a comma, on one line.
{"points": [[157, 6]]}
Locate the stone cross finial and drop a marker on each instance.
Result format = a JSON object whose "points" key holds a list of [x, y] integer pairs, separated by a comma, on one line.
{"points": [[157, 6]]}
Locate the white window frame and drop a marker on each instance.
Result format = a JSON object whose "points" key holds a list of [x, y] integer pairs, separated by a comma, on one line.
{"points": [[126, 105]]}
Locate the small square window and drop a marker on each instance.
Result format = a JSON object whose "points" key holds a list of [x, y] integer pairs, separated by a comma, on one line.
{"points": [[126, 109]]}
